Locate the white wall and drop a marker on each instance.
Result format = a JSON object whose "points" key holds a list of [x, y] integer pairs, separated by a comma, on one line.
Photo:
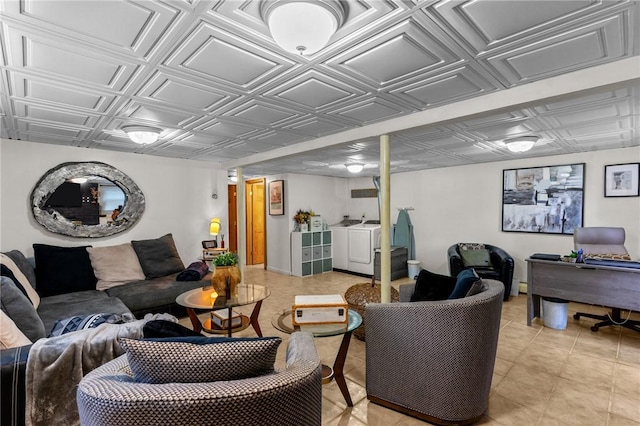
{"points": [[178, 195], [326, 196], [463, 204], [451, 204]]}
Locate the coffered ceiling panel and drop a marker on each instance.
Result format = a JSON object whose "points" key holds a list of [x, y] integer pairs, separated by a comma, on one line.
{"points": [[134, 27], [442, 78]]}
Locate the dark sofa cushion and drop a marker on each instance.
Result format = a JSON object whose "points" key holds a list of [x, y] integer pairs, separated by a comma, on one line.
{"points": [[19, 308], [62, 270], [15, 266], [148, 294], [430, 286], [158, 257], [179, 359], [24, 265], [79, 303]]}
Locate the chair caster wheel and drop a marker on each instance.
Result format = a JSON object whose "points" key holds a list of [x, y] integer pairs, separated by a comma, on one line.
{"points": [[594, 328], [576, 316]]}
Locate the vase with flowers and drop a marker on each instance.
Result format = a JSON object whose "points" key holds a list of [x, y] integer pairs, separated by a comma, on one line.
{"points": [[301, 219]]}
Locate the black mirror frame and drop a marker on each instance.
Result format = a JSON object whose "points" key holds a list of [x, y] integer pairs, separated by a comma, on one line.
{"points": [[55, 222]]}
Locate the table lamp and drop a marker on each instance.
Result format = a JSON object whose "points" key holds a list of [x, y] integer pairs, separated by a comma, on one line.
{"points": [[214, 227]]}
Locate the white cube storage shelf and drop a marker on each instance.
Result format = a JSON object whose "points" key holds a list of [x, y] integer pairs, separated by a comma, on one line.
{"points": [[311, 253]]}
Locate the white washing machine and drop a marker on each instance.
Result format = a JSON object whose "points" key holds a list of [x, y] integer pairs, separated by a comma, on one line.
{"points": [[363, 239]]}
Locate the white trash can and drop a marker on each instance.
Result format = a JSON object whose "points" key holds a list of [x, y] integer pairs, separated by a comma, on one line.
{"points": [[413, 267], [554, 312]]}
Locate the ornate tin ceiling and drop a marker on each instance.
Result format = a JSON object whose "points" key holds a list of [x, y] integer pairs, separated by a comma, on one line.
{"points": [[209, 74]]}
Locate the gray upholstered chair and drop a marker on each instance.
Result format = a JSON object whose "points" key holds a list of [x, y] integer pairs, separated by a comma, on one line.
{"points": [[603, 242], [434, 360], [109, 396]]}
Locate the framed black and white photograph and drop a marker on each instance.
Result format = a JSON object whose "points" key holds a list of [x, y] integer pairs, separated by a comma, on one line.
{"points": [[622, 180], [547, 200], [276, 198]]}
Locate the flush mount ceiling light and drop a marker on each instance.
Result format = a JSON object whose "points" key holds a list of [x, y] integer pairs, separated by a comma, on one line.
{"points": [[355, 167], [521, 143], [302, 27], [143, 135]]}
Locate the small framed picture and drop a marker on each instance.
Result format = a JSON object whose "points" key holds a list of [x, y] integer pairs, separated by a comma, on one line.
{"points": [[276, 198], [622, 180]]}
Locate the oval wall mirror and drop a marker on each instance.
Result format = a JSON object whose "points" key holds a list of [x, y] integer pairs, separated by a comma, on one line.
{"points": [[88, 199]]}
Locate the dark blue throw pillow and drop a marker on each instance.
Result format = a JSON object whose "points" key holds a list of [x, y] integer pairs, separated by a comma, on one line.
{"points": [[465, 279]]}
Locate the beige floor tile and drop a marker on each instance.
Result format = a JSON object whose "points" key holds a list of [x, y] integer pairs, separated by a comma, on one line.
{"points": [[589, 371], [629, 352], [578, 405], [560, 339], [509, 412], [502, 367], [616, 420], [550, 421], [524, 394], [543, 358], [541, 376], [376, 415], [626, 404]]}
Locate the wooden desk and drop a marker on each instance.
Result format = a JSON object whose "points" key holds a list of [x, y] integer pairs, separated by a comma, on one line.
{"points": [[597, 285]]}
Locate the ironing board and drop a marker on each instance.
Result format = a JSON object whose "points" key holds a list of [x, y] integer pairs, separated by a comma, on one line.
{"points": [[403, 235]]}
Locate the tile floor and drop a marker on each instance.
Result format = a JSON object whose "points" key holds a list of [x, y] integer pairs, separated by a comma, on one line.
{"points": [[542, 376]]}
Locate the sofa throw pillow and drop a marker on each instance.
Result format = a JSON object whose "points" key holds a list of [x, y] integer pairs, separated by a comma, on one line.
{"points": [[115, 265], [464, 281], [61, 270], [474, 255], [162, 328], [194, 272], [83, 322], [180, 359], [159, 257], [14, 265], [430, 286], [19, 308], [477, 287], [10, 334]]}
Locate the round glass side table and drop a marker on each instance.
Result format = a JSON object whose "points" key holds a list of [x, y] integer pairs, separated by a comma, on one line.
{"points": [[208, 299], [283, 321]]}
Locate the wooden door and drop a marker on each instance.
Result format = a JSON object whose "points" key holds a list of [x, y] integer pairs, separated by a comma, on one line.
{"points": [[232, 239], [256, 210]]}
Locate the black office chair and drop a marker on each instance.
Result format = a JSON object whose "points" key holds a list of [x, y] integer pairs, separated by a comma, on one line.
{"points": [[604, 242], [487, 260]]}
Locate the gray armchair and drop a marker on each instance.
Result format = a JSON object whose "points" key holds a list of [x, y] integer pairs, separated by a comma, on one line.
{"points": [[434, 360], [108, 395]]}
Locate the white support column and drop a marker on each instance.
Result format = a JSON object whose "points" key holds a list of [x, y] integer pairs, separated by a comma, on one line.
{"points": [[242, 222], [385, 221]]}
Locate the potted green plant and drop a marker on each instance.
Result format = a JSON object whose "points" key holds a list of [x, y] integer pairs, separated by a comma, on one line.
{"points": [[226, 259], [226, 266]]}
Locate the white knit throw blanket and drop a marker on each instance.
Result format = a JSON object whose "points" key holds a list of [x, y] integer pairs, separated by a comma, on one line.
{"points": [[56, 365]]}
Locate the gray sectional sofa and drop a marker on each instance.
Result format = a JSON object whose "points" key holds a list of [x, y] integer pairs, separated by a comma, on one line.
{"points": [[71, 290]]}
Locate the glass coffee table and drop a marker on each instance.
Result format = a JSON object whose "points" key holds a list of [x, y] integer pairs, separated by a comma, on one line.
{"points": [[208, 299], [284, 322]]}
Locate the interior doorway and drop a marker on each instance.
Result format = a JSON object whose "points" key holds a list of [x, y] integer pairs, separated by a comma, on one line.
{"points": [[256, 209], [256, 219]]}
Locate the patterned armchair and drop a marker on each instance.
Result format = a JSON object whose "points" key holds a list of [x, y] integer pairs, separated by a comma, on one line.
{"points": [[434, 360], [498, 265], [109, 396]]}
